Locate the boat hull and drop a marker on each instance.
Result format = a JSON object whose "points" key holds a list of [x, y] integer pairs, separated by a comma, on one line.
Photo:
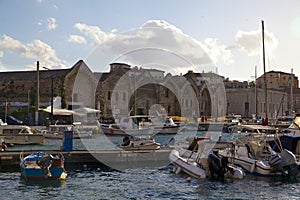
{"points": [[23, 139], [190, 167], [42, 166], [37, 174]]}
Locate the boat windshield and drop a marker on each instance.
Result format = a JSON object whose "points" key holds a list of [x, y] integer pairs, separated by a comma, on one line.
{"points": [[297, 121]]}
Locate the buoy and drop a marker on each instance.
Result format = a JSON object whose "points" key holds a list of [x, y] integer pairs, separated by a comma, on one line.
{"points": [[178, 170], [63, 176], [253, 167], [188, 179]]}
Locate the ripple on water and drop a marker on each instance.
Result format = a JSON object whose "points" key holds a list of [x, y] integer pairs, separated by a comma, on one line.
{"points": [[145, 184]]}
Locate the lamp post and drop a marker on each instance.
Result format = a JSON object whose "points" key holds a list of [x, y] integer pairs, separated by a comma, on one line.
{"points": [[51, 117]]}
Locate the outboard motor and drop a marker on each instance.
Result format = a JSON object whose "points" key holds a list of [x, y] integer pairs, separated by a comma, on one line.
{"points": [[45, 163], [289, 164], [126, 141], [217, 165]]}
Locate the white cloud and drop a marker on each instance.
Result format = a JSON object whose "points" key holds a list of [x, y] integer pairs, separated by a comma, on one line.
{"points": [[77, 39], [35, 50], [94, 32], [250, 41], [39, 1], [218, 52], [51, 23], [157, 41]]}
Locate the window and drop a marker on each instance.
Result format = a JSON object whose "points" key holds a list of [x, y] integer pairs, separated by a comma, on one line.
{"points": [[167, 93], [117, 96], [108, 95], [124, 96]]}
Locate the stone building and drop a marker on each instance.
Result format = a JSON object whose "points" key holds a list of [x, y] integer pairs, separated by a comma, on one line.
{"points": [[137, 91], [18, 88], [243, 101], [277, 79]]}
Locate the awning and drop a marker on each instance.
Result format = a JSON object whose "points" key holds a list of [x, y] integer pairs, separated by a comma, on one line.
{"points": [[57, 111]]}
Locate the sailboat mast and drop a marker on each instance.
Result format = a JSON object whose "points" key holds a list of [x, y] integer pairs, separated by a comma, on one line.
{"points": [[264, 64], [256, 100], [292, 95]]}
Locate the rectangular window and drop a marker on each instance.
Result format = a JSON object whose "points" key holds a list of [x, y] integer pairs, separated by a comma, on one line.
{"points": [[108, 95]]}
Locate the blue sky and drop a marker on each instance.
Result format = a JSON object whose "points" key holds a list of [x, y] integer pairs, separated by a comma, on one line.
{"points": [[223, 36]]}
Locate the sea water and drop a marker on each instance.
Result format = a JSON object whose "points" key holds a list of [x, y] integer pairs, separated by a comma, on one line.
{"points": [[98, 182]]}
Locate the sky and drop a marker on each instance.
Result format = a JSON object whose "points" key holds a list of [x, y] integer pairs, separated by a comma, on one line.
{"points": [[224, 37]]}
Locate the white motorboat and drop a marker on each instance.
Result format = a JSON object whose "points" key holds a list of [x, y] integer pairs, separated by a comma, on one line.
{"points": [[205, 162], [139, 143], [185, 160], [253, 153], [57, 131], [19, 134], [138, 125], [145, 125], [164, 125]]}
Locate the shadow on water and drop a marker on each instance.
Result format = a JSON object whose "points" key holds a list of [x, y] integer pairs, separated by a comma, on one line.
{"points": [[42, 183]]}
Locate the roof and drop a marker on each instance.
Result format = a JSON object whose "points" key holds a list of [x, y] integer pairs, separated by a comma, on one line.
{"points": [[28, 75]]}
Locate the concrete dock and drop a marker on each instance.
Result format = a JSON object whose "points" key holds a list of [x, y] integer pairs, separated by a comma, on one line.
{"points": [[115, 159]]}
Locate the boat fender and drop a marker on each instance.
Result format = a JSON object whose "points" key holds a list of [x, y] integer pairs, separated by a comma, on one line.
{"points": [[178, 170], [253, 167], [4, 146], [275, 160]]}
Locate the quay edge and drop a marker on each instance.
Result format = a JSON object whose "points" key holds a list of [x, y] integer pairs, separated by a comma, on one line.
{"points": [[114, 159]]}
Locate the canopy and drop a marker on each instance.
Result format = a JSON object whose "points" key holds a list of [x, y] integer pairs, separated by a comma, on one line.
{"points": [[57, 111], [86, 110]]}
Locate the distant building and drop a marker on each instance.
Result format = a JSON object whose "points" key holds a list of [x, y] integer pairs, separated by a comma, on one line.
{"points": [[235, 84], [277, 79], [283, 81], [244, 102], [18, 88]]}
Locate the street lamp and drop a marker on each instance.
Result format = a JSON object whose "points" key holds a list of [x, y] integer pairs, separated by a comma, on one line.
{"points": [[51, 117]]}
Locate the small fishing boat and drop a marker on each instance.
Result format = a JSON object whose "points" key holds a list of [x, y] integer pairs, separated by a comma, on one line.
{"points": [[139, 143], [42, 166]]}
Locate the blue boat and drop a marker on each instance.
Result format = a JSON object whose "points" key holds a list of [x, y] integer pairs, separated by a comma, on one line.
{"points": [[42, 166]]}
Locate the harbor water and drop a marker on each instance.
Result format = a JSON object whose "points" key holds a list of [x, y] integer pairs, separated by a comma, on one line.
{"points": [[98, 182]]}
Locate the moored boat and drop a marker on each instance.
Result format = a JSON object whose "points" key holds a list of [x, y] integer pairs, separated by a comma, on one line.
{"points": [[139, 143], [112, 130], [254, 154], [42, 166], [57, 131], [201, 161], [19, 134]]}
